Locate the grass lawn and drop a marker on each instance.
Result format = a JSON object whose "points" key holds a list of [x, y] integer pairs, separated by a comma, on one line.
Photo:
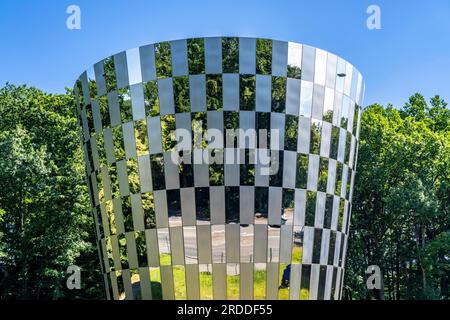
{"points": [[206, 282]]}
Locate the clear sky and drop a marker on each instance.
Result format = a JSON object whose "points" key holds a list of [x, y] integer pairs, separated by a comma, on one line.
{"points": [[411, 53]]}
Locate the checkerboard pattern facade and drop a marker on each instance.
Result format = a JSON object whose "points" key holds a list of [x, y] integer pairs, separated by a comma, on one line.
{"points": [[221, 231]]}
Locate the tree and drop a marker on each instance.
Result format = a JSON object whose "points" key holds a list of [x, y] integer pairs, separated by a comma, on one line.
{"points": [[46, 223], [401, 209]]}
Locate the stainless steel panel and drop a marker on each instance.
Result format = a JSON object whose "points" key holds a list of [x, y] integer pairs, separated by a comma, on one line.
{"points": [[120, 62], [308, 242], [328, 283], [145, 174], [289, 169], [123, 178], [295, 282], [300, 206], [306, 98], [162, 219], [204, 243], [167, 283], [277, 122], [331, 183], [331, 71], [148, 66], [154, 135], [314, 283], [197, 85], [145, 284], [320, 210], [134, 66], [286, 237], [279, 58], [151, 241], [129, 140], [272, 281], [213, 55], [187, 196], [215, 129], [247, 204], [138, 212], [293, 96], [218, 244], [176, 245], [85, 88], [318, 101], [126, 277], [231, 173], [260, 250], [217, 200], [273, 247], [247, 56], [313, 172], [97, 116], [178, 50], [246, 281], [248, 134], [114, 108], [137, 101], [325, 246], [100, 79], [192, 282], [308, 63], [304, 135], [230, 92], [325, 140], [275, 197], [348, 78], [171, 172], [263, 93], [166, 99], [340, 80], [190, 245], [320, 67], [232, 242], [201, 175], [247, 243], [131, 250], [109, 145]]}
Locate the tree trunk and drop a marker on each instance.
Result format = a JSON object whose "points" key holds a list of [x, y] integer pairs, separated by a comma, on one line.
{"points": [[397, 272]]}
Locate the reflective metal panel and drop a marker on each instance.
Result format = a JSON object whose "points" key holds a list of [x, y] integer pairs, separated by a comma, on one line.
{"points": [[269, 219]]}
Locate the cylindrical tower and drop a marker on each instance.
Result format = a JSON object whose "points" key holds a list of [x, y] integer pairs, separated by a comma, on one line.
{"points": [[221, 168]]}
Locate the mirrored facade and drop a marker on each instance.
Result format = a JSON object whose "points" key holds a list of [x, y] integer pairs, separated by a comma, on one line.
{"points": [[220, 229]]}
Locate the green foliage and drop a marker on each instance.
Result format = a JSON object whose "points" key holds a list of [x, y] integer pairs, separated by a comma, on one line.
{"points": [[401, 212], [46, 223]]}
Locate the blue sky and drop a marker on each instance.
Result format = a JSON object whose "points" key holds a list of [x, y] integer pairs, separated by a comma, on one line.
{"points": [[411, 53]]}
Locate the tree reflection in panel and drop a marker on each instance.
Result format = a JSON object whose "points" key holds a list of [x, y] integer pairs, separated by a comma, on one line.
{"points": [[218, 244], [155, 278], [273, 248], [259, 281], [165, 256], [304, 288], [233, 275], [206, 284], [283, 279], [246, 243], [179, 281], [297, 248]]}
